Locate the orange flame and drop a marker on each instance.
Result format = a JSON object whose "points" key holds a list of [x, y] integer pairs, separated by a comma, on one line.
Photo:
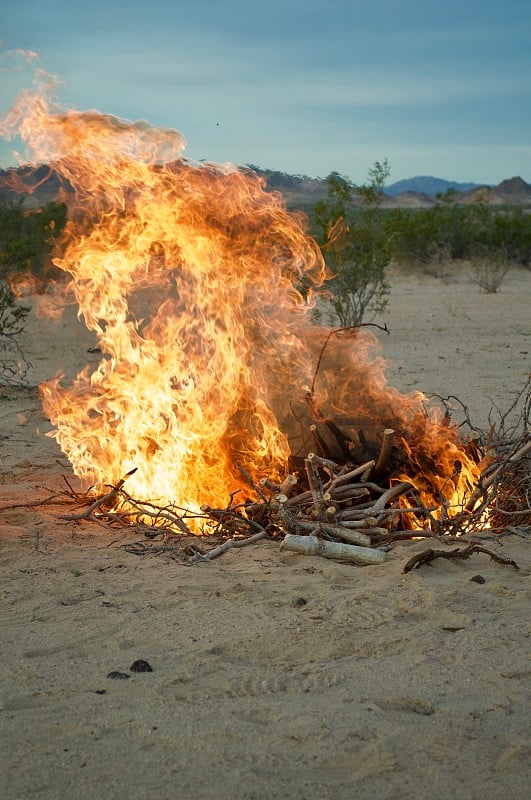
{"points": [[191, 276]]}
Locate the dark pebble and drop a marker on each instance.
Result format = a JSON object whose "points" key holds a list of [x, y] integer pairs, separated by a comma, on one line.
{"points": [[118, 676], [300, 601], [141, 666], [478, 579], [100, 691]]}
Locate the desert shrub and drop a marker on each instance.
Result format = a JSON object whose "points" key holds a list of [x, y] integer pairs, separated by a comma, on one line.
{"points": [[26, 236], [13, 363], [350, 227], [459, 231], [26, 242], [489, 267], [510, 230]]}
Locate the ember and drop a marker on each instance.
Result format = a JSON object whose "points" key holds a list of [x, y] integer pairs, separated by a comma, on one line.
{"points": [[199, 286]]}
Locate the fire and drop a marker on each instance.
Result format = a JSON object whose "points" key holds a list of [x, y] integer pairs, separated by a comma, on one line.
{"points": [[198, 285]]}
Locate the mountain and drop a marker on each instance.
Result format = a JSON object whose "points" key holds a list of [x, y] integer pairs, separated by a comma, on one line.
{"points": [[426, 184], [299, 191], [35, 186], [40, 185]]}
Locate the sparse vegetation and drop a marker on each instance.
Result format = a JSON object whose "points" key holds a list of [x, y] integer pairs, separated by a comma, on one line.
{"points": [[359, 238], [25, 246], [460, 231], [489, 267], [350, 227]]}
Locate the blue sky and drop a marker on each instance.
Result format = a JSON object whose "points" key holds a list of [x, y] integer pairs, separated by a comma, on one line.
{"points": [[440, 88]]}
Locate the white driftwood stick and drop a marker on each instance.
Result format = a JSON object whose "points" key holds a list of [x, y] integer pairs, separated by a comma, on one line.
{"points": [[312, 546]]}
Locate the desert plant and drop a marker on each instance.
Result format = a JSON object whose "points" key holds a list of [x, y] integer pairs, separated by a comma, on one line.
{"points": [[350, 228], [13, 363], [25, 246], [489, 267]]}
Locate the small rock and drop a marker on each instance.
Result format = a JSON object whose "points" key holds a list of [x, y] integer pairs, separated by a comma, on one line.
{"points": [[478, 579], [118, 676], [141, 666]]}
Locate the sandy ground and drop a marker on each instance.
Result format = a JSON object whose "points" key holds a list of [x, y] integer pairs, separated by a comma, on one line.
{"points": [[274, 675]]}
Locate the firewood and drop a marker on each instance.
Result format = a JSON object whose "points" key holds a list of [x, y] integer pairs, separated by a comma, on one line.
{"points": [[390, 494], [288, 485], [325, 463], [271, 485], [330, 513], [385, 452], [312, 546], [316, 488], [353, 473]]}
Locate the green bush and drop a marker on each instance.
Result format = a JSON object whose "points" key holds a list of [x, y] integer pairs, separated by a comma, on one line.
{"points": [[460, 231], [26, 242], [350, 227]]}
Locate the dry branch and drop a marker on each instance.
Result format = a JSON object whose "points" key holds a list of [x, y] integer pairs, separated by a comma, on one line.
{"points": [[429, 555], [385, 452], [334, 504], [231, 543]]}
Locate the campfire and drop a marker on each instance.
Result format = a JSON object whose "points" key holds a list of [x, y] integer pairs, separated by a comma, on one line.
{"points": [[219, 406]]}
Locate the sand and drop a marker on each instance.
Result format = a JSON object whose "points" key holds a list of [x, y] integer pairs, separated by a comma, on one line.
{"points": [[274, 675]]}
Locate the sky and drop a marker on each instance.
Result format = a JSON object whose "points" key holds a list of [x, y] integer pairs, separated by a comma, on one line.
{"points": [[302, 86]]}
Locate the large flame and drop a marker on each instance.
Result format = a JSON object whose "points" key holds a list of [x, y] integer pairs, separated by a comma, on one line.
{"points": [[197, 283]]}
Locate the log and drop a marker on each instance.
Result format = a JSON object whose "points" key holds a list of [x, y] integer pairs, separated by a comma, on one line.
{"points": [[288, 485], [299, 499], [353, 473], [316, 488], [359, 513], [330, 513], [353, 535], [312, 546], [349, 492], [268, 484], [325, 463], [291, 523], [390, 494], [385, 452], [367, 522]]}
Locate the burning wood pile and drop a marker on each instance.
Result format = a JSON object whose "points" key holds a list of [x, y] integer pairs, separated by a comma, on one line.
{"points": [[199, 287], [342, 511]]}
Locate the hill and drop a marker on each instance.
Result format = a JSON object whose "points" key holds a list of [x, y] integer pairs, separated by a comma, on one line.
{"points": [[428, 185], [37, 186]]}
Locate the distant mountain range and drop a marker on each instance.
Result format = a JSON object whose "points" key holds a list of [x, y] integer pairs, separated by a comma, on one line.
{"points": [[302, 192], [426, 184], [42, 185]]}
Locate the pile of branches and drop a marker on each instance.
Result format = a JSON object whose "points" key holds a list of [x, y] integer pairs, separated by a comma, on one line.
{"points": [[339, 509]]}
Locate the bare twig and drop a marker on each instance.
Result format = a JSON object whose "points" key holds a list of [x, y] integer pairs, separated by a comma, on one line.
{"points": [[429, 555], [231, 543]]}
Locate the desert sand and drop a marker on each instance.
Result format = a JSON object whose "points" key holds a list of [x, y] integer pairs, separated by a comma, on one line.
{"points": [[274, 675]]}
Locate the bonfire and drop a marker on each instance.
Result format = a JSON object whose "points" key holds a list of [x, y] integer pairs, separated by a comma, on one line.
{"points": [[219, 407]]}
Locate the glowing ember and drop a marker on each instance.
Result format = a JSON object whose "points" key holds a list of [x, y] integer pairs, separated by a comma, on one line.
{"points": [[190, 277]]}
